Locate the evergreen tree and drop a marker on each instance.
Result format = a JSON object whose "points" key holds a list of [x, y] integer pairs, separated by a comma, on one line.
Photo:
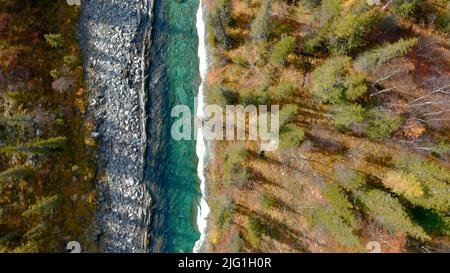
{"points": [[255, 230], [54, 40], [235, 171], [382, 124], [283, 90], [337, 198], [291, 136], [433, 178], [282, 50], [28, 247], [260, 29], [43, 207], [347, 116], [389, 212], [373, 59], [335, 82], [349, 33], [219, 20], [53, 144], [349, 179], [15, 173], [406, 8], [288, 113], [344, 34], [404, 184], [324, 217]]}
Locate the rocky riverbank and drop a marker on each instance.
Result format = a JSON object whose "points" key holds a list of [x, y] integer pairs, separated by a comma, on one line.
{"points": [[115, 35]]}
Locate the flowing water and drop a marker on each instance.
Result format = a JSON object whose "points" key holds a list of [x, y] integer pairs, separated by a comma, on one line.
{"points": [[203, 210], [174, 79]]}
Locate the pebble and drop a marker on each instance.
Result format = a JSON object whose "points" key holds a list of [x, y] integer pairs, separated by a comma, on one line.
{"points": [[107, 41]]}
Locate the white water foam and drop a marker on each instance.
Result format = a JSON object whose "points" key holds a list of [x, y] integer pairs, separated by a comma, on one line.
{"points": [[203, 208]]}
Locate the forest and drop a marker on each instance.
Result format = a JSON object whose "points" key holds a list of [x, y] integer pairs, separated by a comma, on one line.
{"points": [[46, 168], [364, 89]]}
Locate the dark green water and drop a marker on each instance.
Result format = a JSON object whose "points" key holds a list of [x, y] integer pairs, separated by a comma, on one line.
{"points": [[176, 197]]}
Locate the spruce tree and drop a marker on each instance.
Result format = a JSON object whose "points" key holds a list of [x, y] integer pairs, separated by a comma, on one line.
{"points": [[282, 50], [43, 207], [219, 20], [15, 173], [373, 59], [53, 144], [260, 28], [291, 136], [389, 212]]}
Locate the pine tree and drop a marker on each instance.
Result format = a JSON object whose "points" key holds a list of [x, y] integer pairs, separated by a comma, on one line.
{"points": [[338, 200], [282, 50], [335, 82], [15, 173], [373, 59], [287, 113], [260, 29], [347, 116], [219, 19], [235, 171], [291, 136], [53, 144], [389, 212], [404, 184], [349, 179], [28, 247], [382, 124], [324, 217], [406, 8], [433, 179], [255, 230], [349, 33], [283, 90], [19, 119], [54, 40], [43, 207]]}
